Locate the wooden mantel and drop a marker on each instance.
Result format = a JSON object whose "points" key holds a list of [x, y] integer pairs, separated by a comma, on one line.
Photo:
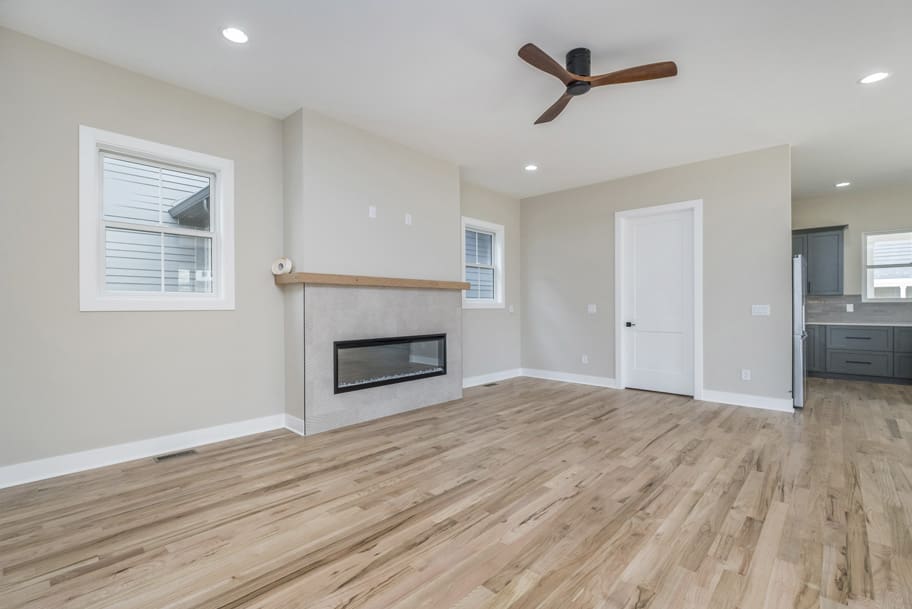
{"points": [[366, 281]]}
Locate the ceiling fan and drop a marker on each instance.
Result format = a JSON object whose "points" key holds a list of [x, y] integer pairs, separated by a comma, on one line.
{"points": [[577, 79]]}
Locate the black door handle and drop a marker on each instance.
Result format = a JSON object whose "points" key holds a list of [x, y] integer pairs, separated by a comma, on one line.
{"points": [[630, 324]]}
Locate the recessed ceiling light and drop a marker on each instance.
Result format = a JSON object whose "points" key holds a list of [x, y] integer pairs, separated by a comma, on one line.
{"points": [[235, 35], [531, 167], [875, 77], [843, 184]]}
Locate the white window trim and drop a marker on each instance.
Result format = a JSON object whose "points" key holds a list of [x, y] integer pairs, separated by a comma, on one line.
{"points": [[92, 293], [500, 273], [864, 266]]}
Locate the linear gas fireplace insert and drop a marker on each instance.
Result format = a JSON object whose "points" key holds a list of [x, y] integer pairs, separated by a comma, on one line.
{"points": [[359, 364]]}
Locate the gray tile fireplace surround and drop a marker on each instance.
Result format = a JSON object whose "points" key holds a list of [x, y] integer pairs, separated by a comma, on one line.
{"points": [[334, 313], [832, 309]]}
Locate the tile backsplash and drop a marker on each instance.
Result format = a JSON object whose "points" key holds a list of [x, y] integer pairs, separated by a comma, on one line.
{"points": [[832, 309]]}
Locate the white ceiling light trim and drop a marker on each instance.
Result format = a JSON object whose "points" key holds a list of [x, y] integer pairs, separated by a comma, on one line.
{"points": [[235, 35], [870, 79], [843, 184], [531, 167]]}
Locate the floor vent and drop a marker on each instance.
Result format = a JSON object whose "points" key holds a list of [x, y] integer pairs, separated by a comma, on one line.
{"points": [[169, 456], [490, 385]]}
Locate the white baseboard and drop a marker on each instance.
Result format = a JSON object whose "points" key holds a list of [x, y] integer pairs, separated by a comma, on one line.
{"points": [[749, 400], [492, 377], [30, 471], [293, 423], [569, 377]]}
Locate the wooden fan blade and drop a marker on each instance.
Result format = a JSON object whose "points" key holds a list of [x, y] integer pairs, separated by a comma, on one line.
{"points": [[555, 109], [650, 71], [537, 58]]}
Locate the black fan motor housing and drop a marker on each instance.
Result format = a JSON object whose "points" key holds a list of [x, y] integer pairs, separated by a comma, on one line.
{"points": [[578, 62]]}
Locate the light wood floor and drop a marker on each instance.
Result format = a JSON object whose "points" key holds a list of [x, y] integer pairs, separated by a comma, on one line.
{"points": [[531, 494]]}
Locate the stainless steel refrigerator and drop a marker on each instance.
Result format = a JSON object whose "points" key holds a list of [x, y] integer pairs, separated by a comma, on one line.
{"points": [[799, 333]]}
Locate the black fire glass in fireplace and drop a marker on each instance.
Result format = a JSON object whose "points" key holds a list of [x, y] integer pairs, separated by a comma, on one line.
{"points": [[359, 364]]}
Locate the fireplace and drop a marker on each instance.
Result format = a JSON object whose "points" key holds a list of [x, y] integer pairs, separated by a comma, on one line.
{"points": [[360, 364]]}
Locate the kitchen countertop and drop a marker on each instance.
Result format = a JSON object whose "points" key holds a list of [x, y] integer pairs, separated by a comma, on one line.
{"points": [[898, 324]]}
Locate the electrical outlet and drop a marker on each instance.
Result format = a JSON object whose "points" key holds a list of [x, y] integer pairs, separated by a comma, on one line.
{"points": [[592, 309], [585, 359], [745, 374], [510, 308], [372, 211], [760, 310], [850, 307], [408, 219]]}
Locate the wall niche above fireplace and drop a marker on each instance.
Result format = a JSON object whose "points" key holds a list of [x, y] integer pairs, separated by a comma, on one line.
{"points": [[360, 364]]}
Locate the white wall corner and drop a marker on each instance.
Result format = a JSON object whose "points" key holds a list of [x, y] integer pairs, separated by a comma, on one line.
{"points": [[492, 377], [568, 377], [40, 469], [749, 400], [293, 423]]}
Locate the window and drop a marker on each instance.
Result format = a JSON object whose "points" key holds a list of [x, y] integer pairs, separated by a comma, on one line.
{"points": [[888, 266], [483, 256], [156, 226]]}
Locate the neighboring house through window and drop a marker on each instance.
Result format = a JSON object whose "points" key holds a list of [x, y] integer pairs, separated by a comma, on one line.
{"points": [[887, 266], [483, 263], [156, 226]]}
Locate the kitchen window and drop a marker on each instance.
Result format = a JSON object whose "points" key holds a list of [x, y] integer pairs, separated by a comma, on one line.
{"points": [[156, 226], [483, 263], [887, 272]]}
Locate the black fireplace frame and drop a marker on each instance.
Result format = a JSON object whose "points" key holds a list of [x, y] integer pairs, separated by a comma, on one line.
{"points": [[393, 340]]}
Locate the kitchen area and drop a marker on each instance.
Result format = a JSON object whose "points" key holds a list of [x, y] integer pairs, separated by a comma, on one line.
{"points": [[852, 283]]}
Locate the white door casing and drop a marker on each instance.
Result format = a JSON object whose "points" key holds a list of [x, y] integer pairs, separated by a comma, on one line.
{"points": [[659, 291]]}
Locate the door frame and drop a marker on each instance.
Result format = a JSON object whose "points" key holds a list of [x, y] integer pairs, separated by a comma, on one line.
{"points": [[620, 223]]}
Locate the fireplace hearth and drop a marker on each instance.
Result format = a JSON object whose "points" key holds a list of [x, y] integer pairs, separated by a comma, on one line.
{"points": [[361, 364]]}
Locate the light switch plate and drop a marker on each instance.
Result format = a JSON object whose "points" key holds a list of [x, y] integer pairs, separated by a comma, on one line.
{"points": [[510, 308], [745, 374], [372, 211], [585, 359], [850, 307], [408, 219], [760, 310], [592, 308]]}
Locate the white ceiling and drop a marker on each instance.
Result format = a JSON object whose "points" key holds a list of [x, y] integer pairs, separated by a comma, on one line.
{"points": [[443, 77]]}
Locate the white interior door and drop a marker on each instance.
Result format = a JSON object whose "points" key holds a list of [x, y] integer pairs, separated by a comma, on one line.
{"points": [[658, 301]]}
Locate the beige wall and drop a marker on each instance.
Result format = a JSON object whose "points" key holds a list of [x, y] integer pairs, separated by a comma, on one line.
{"points": [[491, 337], [888, 208], [568, 262], [341, 171], [69, 380]]}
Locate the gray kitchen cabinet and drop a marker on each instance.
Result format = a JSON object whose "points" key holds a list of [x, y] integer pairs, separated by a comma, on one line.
{"points": [[860, 338], [860, 363], [902, 340], [815, 347], [824, 250], [902, 365], [825, 261], [877, 353]]}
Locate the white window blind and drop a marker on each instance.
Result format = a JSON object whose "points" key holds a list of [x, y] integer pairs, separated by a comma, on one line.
{"points": [[479, 264], [888, 266]]}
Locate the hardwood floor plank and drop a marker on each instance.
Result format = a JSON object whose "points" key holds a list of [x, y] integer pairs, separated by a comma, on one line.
{"points": [[530, 494]]}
